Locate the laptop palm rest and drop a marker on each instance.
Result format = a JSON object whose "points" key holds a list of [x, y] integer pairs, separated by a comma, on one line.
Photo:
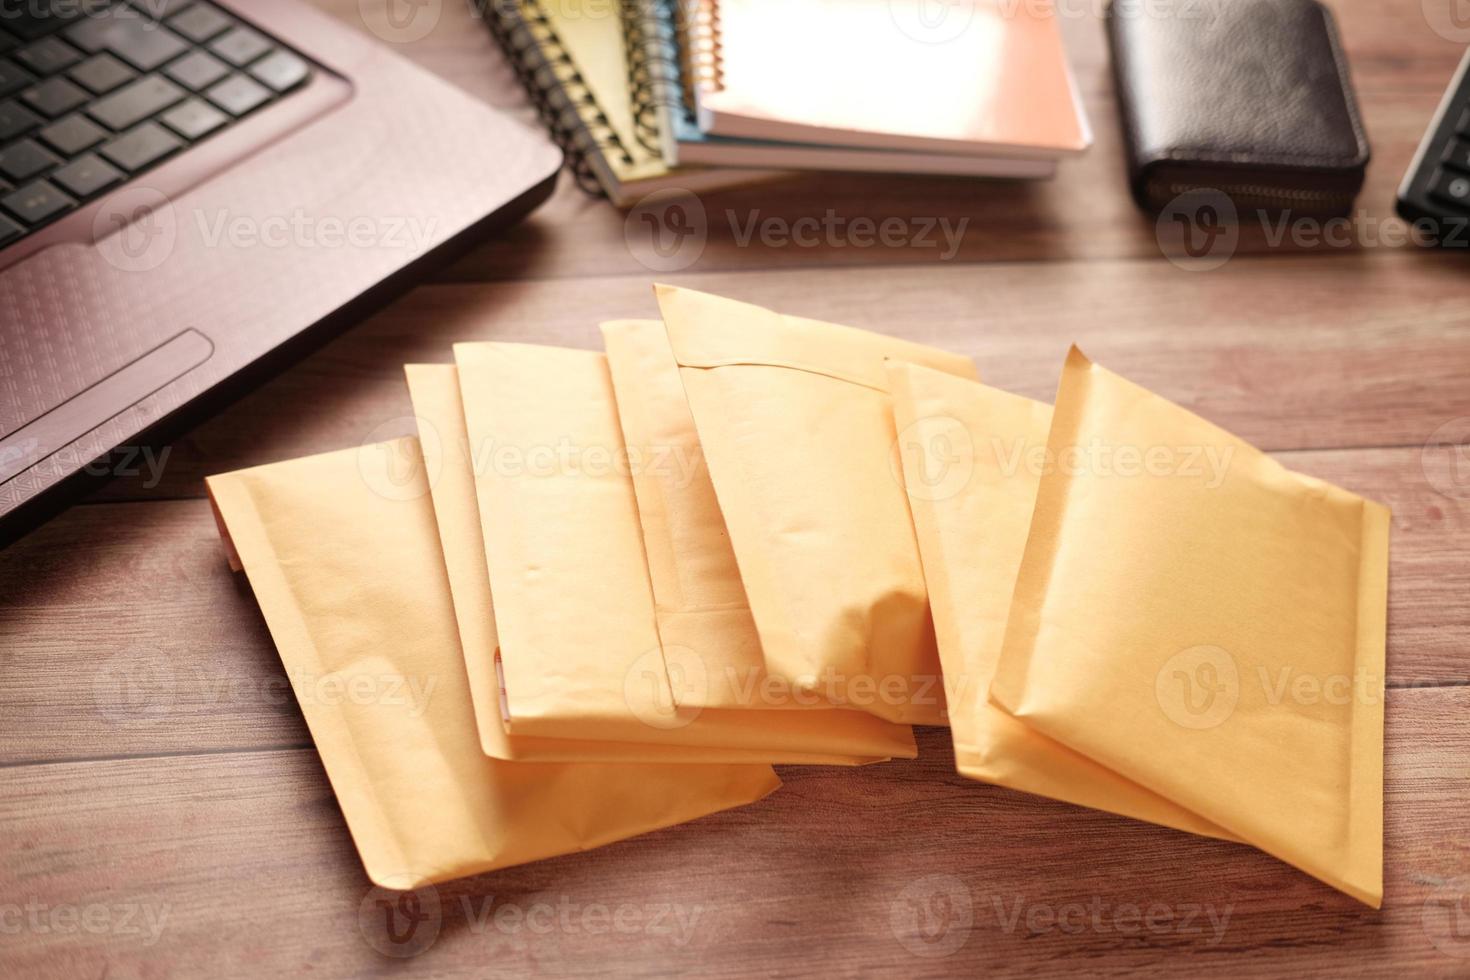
{"points": [[93, 406]]}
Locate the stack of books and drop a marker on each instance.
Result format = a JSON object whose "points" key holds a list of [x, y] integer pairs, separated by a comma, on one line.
{"points": [[645, 95]]}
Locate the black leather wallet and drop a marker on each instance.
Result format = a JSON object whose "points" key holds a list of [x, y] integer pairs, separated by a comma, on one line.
{"points": [[1250, 98]]}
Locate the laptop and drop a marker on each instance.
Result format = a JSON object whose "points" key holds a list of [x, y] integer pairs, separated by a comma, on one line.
{"points": [[194, 191]]}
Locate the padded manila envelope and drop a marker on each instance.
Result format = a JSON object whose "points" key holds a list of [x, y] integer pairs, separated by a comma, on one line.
{"points": [[434, 389], [343, 557], [579, 654], [797, 428], [704, 622], [1208, 624], [970, 462]]}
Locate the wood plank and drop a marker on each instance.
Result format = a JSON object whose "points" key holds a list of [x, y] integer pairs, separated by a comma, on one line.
{"points": [[124, 620], [1289, 353], [1400, 66], [817, 879]]}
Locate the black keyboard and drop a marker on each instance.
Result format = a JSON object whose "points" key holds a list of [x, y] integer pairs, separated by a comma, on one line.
{"points": [[1435, 194], [94, 93]]}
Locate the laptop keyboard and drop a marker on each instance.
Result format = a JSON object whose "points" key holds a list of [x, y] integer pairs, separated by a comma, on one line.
{"points": [[94, 93]]}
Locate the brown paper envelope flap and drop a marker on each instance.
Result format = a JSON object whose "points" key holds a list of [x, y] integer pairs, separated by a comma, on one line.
{"points": [[710, 331], [342, 554], [1178, 587], [579, 645], [970, 460]]}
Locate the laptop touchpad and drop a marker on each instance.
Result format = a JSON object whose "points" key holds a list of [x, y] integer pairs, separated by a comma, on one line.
{"points": [[116, 393]]}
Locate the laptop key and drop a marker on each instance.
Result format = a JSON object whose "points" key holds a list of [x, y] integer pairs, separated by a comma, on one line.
{"points": [[26, 159], [194, 119], [16, 119], [141, 147], [240, 46], [102, 73], [197, 70], [55, 97], [200, 22], [13, 77], [73, 134], [281, 70], [8, 41], [9, 231], [37, 202], [87, 175], [238, 94], [136, 40], [48, 56], [135, 102]]}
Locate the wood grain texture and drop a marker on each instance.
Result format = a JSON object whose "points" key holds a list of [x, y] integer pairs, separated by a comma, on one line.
{"points": [[1288, 352], [246, 861], [155, 771]]}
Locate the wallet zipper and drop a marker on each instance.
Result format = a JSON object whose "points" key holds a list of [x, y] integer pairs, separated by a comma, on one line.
{"points": [[1260, 193]]}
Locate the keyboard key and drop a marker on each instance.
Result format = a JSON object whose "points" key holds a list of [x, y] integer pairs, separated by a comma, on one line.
{"points": [[88, 175], [237, 95], [16, 119], [158, 10], [37, 20], [197, 70], [55, 97], [13, 77], [281, 70], [200, 22], [135, 102], [48, 56], [1457, 155], [35, 203], [73, 134], [240, 46], [9, 231], [25, 159], [7, 41], [102, 73], [193, 119], [1451, 187], [136, 40], [138, 148]]}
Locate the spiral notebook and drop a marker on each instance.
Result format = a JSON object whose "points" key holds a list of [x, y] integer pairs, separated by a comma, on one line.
{"points": [[970, 77], [571, 57], [666, 57]]}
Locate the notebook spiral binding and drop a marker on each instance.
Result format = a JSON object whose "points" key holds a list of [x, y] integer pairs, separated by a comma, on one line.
{"points": [[704, 62], [650, 39], [565, 104]]}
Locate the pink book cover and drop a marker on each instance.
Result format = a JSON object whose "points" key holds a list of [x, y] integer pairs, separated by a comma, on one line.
{"points": [[950, 76]]}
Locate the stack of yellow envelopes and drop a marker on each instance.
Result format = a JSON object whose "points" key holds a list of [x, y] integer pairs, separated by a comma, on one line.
{"points": [[602, 593]]}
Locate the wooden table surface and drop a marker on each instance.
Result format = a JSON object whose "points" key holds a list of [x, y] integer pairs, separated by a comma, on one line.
{"points": [[163, 812]]}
